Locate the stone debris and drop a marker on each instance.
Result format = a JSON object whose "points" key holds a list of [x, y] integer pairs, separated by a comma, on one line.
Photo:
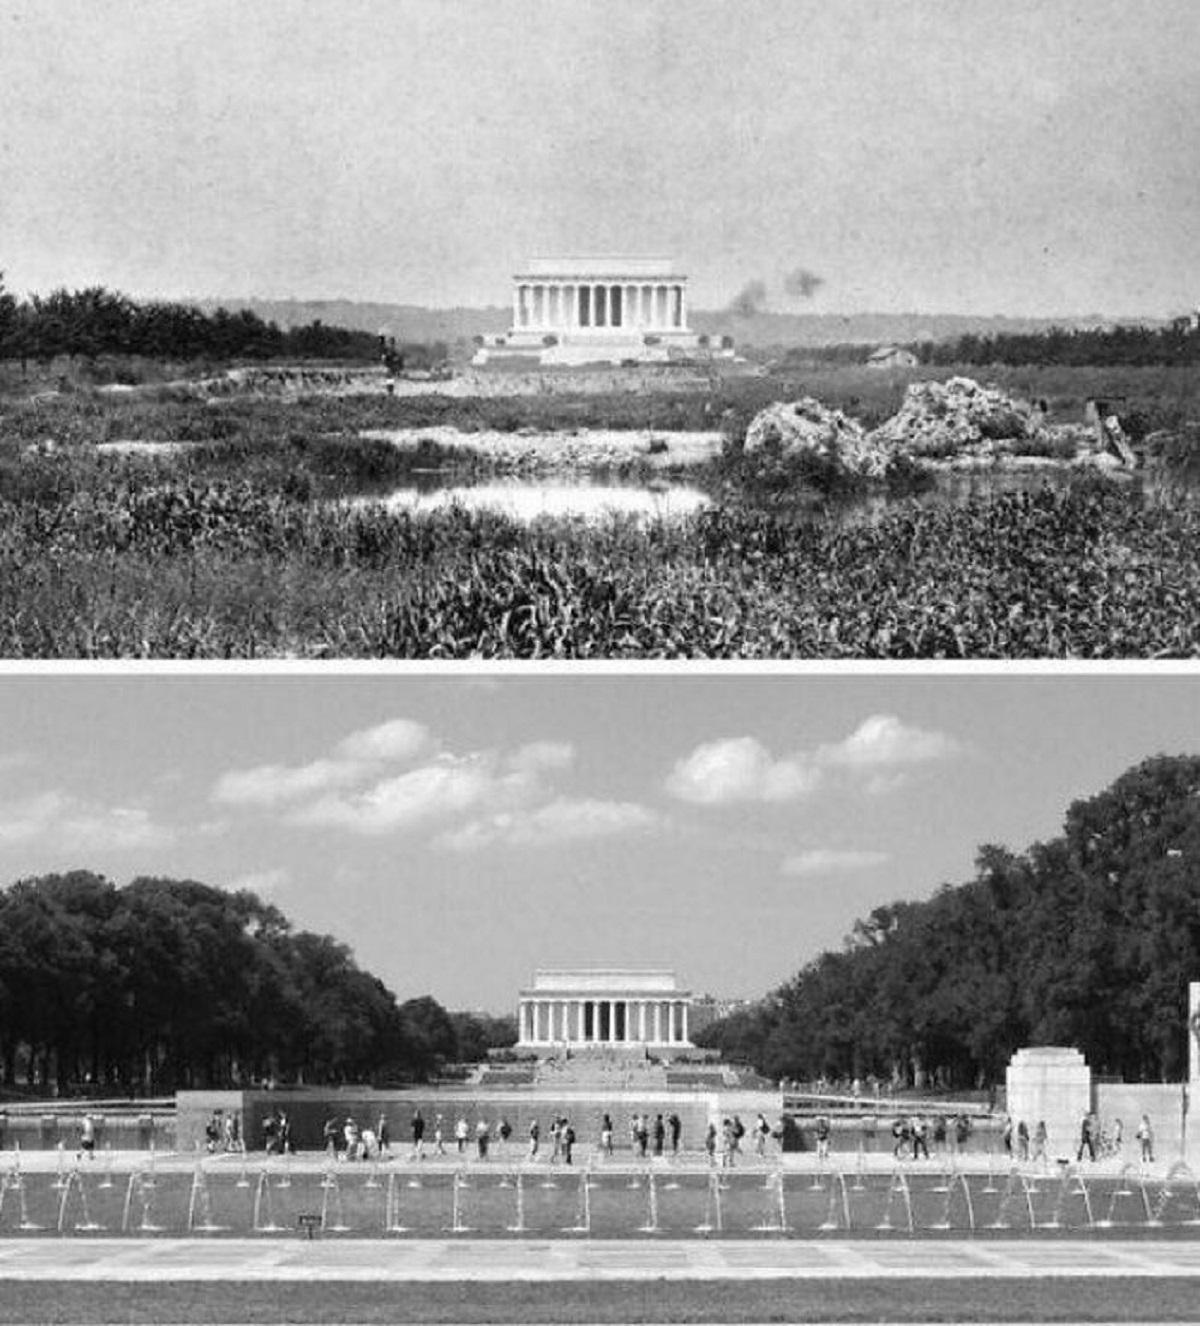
{"points": [[941, 419], [806, 426]]}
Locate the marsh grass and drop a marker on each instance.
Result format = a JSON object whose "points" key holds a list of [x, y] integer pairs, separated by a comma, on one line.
{"points": [[120, 561], [231, 547]]}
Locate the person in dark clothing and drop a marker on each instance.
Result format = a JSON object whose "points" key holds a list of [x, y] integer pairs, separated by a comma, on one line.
{"points": [[660, 1134], [418, 1135], [675, 1127]]}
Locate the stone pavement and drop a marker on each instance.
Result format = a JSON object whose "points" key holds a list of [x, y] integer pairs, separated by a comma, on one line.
{"points": [[534, 1260]]}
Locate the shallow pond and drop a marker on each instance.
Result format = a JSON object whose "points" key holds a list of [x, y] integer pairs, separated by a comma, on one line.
{"points": [[526, 499]]}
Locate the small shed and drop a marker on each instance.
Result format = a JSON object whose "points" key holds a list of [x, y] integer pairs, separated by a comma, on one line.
{"points": [[891, 356]]}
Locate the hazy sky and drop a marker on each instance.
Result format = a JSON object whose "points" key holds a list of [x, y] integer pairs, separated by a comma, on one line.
{"points": [[459, 832], [1023, 156]]}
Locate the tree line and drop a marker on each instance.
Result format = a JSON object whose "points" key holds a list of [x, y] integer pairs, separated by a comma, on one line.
{"points": [[1087, 940], [165, 984], [96, 321], [1175, 345]]}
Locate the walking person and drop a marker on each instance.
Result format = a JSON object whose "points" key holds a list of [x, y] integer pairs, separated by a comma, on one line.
{"points": [[417, 1127], [606, 1136], [1087, 1139], [1022, 1140], [439, 1135], [675, 1127], [920, 1129], [535, 1136], [384, 1137], [823, 1130], [461, 1133], [1041, 1140], [762, 1130], [1145, 1135], [710, 1143], [660, 1134]]}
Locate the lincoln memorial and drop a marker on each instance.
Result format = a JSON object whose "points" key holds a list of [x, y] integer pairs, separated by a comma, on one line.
{"points": [[604, 1007], [589, 310]]}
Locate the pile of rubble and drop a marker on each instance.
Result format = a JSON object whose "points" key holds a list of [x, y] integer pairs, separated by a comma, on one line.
{"points": [[956, 424], [944, 419], [808, 427]]}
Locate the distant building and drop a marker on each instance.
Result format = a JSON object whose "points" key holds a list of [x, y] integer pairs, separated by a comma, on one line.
{"points": [[610, 1006], [615, 310], [891, 356]]}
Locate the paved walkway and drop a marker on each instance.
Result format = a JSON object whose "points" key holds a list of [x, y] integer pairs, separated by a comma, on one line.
{"points": [[540, 1260]]}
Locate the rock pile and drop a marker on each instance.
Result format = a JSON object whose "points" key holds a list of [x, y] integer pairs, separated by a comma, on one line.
{"points": [[807, 427], [944, 419]]}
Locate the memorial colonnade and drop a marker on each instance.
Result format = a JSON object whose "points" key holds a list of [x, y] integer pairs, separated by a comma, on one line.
{"points": [[606, 1021], [570, 305]]}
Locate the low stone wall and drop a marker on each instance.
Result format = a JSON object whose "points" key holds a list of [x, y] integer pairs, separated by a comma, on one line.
{"points": [[127, 1130]]}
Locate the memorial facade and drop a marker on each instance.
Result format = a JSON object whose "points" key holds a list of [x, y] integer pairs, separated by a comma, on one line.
{"points": [[596, 310], [604, 1007]]}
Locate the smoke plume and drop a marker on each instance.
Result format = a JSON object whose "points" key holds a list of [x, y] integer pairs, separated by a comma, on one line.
{"points": [[749, 300], [802, 283]]}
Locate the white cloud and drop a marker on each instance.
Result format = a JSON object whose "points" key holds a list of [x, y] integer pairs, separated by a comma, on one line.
{"points": [[273, 784], [397, 739], [559, 821], [743, 769], [449, 787], [75, 824], [356, 758], [421, 795], [883, 741], [740, 769], [831, 861]]}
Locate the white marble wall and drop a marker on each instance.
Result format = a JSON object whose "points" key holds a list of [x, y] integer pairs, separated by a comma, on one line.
{"points": [[1051, 1083]]}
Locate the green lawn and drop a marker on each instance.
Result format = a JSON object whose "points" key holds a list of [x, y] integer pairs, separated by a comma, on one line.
{"points": [[1069, 1298]]}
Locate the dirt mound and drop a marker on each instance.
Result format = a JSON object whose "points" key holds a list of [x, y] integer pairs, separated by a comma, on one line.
{"points": [[944, 419], [806, 426]]}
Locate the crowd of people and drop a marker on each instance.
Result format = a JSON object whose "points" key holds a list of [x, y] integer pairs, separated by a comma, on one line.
{"points": [[1094, 1140], [650, 1136], [659, 1135]]}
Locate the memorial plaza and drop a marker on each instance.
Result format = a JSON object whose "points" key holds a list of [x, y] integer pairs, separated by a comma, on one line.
{"points": [[616, 310]]}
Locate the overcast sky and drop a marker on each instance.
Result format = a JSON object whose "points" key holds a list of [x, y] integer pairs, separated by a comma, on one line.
{"points": [[1023, 157], [458, 833]]}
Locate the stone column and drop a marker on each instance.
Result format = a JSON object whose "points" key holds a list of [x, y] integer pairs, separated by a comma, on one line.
{"points": [[642, 1021], [683, 310], [684, 1015], [599, 306]]}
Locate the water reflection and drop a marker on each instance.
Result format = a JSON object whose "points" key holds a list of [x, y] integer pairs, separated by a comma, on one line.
{"points": [[525, 499]]}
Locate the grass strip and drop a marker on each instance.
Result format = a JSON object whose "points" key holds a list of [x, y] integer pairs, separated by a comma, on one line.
{"points": [[1074, 1298]]}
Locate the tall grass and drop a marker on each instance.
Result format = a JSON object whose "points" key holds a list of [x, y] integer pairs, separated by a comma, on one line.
{"points": [[183, 568]]}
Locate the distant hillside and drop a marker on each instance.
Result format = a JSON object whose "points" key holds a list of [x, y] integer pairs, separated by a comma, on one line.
{"points": [[410, 322]]}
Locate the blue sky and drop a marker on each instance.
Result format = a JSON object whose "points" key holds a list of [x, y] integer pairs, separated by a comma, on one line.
{"points": [[459, 831], [1024, 158]]}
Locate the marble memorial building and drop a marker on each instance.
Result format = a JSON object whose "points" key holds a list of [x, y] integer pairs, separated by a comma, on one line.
{"points": [[604, 1007], [596, 310]]}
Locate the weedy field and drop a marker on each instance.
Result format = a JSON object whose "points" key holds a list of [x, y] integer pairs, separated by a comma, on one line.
{"points": [[236, 547]]}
